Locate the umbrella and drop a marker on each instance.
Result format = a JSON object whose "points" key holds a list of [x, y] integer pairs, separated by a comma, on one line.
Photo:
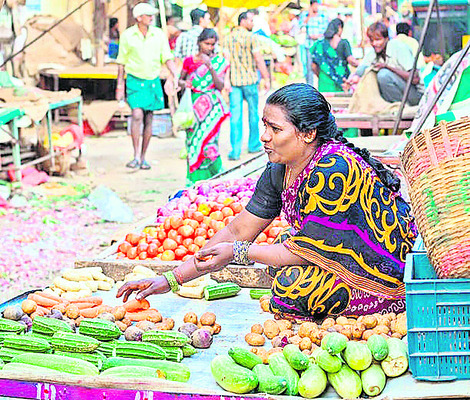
{"points": [[241, 3]]}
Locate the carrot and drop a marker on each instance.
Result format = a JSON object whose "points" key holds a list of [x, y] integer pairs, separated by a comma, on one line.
{"points": [[51, 296], [42, 301], [91, 312], [43, 310], [143, 315], [92, 299], [82, 306], [136, 305]]}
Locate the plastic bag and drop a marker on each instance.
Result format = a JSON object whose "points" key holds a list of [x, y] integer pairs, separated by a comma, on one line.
{"points": [[184, 117]]}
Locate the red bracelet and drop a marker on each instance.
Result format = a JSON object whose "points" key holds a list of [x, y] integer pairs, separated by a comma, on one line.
{"points": [[178, 276]]}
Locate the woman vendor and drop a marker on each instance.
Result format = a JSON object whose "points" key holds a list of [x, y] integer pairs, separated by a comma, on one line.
{"points": [[351, 230]]}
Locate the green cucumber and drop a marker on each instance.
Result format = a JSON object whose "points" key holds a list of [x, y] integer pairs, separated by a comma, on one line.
{"points": [[313, 382], [396, 362], [130, 371], [328, 362], [357, 356], [244, 357], [60, 363], [334, 343], [346, 382], [373, 380], [295, 357], [31, 369], [378, 347], [267, 381], [256, 294], [281, 367], [231, 376]]}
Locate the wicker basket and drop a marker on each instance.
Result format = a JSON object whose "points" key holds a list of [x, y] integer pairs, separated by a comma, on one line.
{"points": [[436, 164]]}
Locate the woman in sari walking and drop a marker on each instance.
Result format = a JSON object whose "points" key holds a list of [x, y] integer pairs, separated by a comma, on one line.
{"points": [[331, 58], [204, 74]]}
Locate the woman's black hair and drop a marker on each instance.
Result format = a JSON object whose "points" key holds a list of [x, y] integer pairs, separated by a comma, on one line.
{"points": [[207, 33], [309, 111], [333, 28]]}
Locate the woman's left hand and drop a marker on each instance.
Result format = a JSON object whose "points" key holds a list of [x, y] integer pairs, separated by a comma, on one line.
{"points": [[214, 258]]}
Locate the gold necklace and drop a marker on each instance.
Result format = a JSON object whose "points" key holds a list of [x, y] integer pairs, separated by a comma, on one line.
{"points": [[287, 177]]}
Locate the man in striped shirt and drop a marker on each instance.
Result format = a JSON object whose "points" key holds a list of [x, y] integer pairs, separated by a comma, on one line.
{"points": [[186, 44], [243, 50]]}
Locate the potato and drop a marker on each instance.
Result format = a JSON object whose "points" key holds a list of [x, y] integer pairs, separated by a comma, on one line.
{"points": [[119, 313], [357, 330], [168, 321], [126, 321], [296, 339], [254, 339], [391, 316], [381, 329], [327, 323], [271, 329], [161, 326], [134, 334], [347, 331], [284, 324], [370, 321], [13, 312], [190, 317], [157, 318], [306, 352], [104, 285], [72, 311], [342, 321], [265, 305], [145, 325], [103, 308], [216, 329], [305, 343], [208, 318], [78, 320], [29, 306], [121, 325], [351, 321], [401, 326], [382, 320], [306, 328], [287, 333], [367, 334], [106, 316], [260, 352], [257, 328], [315, 336], [276, 342], [397, 335], [274, 350], [208, 328], [66, 285], [360, 318], [92, 285]]}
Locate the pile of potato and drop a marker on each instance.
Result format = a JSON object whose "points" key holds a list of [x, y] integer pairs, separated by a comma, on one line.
{"points": [[308, 335]]}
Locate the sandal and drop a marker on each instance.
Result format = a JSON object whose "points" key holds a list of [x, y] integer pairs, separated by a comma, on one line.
{"points": [[133, 164], [145, 165]]}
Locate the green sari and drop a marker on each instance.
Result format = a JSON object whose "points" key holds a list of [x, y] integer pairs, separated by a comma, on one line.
{"points": [[210, 110]]}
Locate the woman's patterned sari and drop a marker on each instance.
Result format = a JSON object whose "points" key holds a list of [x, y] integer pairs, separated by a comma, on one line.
{"points": [[210, 110], [353, 231]]}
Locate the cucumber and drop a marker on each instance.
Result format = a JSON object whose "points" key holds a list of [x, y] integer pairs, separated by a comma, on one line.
{"points": [[133, 371], [313, 382], [244, 357], [59, 363], [280, 367], [396, 362], [231, 376], [373, 380], [31, 369], [378, 347], [295, 357], [267, 381], [357, 356], [256, 294], [327, 362], [172, 371], [334, 343], [346, 382]]}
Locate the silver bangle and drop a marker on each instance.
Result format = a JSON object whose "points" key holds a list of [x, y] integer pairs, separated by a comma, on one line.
{"points": [[240, 252]]}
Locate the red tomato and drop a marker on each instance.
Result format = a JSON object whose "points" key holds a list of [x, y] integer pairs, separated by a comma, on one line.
{"points": [[236, 207], [203, 226], [132, 253], [133, 239], [261, 238], [193, 223], [148, 239], [120, 255], [142, 240], [270, 240], [227, 212], [198, 216], [161, 235], [186, 231], [192, 248], [210, 233], [161, 250], [172, 234], [141, 247], [188, 213], [156, 242], [180, 252], [170, 244], [207, 221], [275, 231], [143, 255], [167, 224], [186, 257], [152, 250], [168, 255], [200, 232], [217, 207], [187, 242], [176, 221], [124, 246], [227, 220], [217, 215], [179, 239], [199, 241]]}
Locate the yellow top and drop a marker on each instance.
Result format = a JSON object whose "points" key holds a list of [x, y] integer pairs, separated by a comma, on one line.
{"points": [[143, 56]]}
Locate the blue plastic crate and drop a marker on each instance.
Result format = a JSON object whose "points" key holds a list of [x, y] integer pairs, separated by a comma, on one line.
{"points": [[438, 318]]}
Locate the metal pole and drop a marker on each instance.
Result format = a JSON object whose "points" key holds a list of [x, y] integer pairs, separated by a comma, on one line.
{"points": [[413, 70], [441, 32], [428, 110]]}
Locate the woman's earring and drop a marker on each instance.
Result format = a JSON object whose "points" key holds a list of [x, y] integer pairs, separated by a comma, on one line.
{"points": [[308, 140]]}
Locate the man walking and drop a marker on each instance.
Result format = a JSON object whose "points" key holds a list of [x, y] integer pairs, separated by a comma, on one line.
{"points": [[143, 49], [244, 52], [186, 44]]}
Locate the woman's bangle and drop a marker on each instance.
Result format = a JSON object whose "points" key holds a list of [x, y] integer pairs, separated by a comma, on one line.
{"points": [[171, 279], [240, 252]]}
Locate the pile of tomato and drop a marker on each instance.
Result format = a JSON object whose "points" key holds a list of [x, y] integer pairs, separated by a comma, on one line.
{"points": [[180, 237]]}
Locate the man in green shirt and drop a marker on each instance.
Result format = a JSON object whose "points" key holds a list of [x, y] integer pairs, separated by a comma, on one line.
{"points": [[143, 49]]}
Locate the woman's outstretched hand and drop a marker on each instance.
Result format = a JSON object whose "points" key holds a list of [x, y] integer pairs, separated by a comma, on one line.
{"points": [[214, 258], [144, 288]]}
